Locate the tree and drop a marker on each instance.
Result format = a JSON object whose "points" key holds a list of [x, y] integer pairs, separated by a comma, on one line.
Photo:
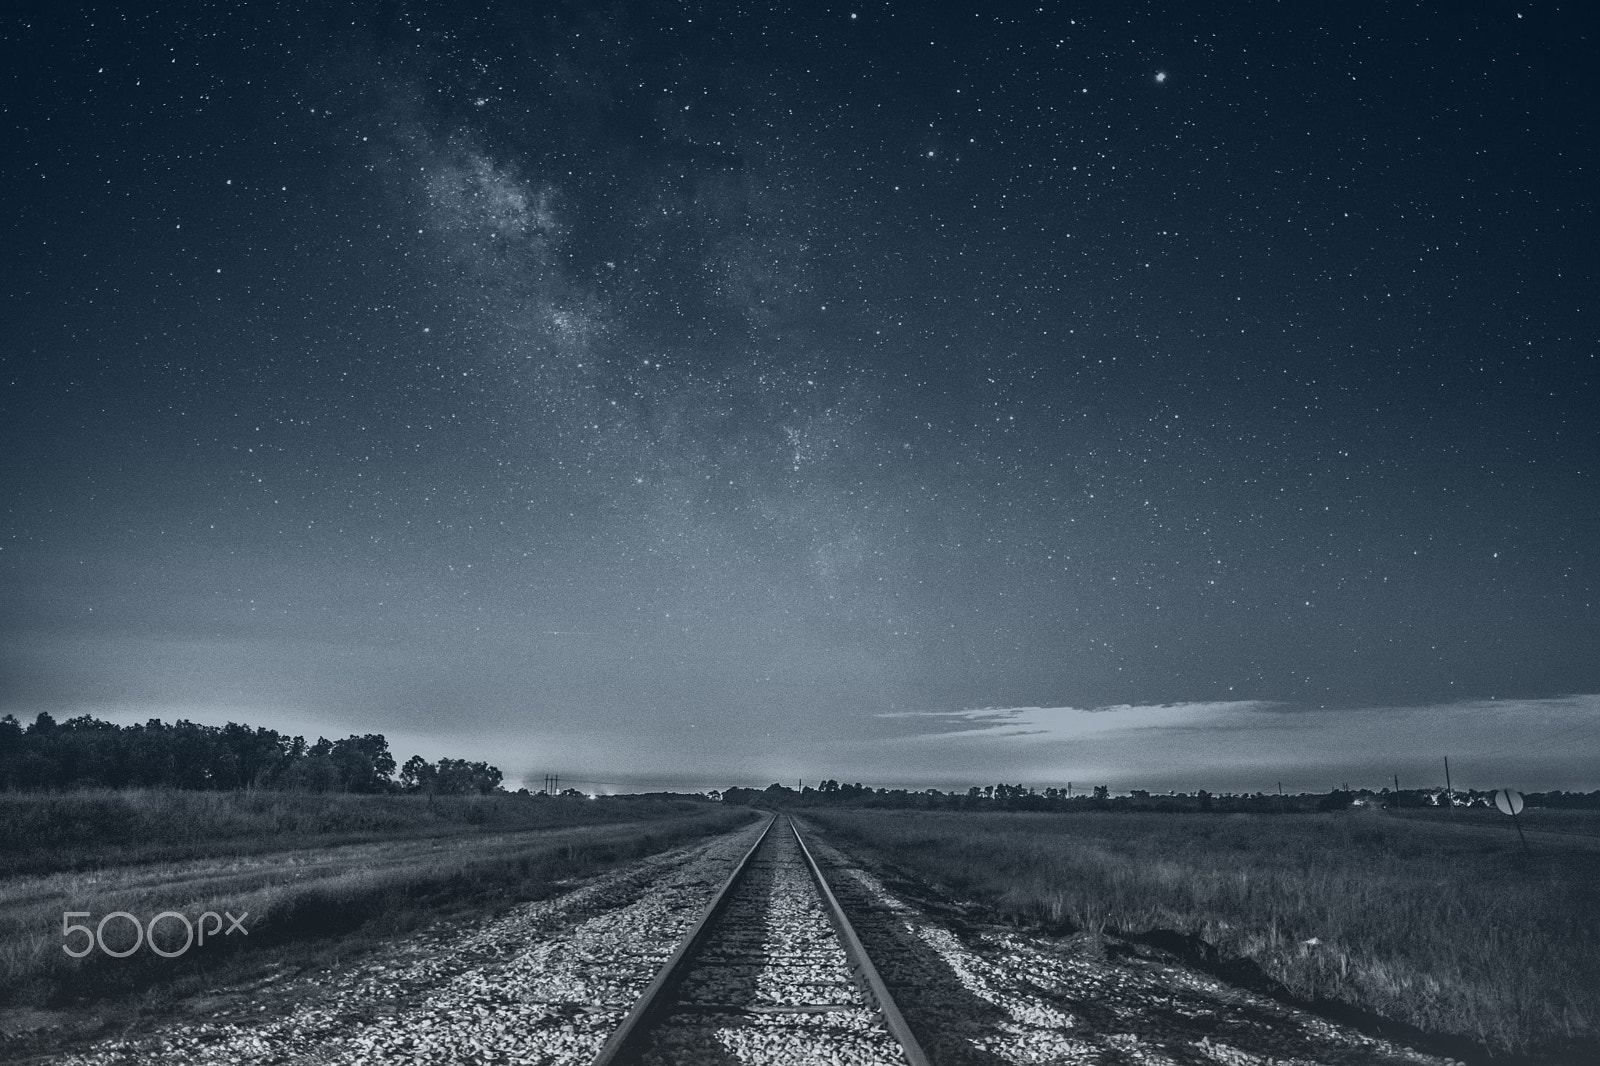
{"points": [[256, 753], [455, 777], [1337, 800], [86, 752], [364, 762], [314, 773], [418, 775]]}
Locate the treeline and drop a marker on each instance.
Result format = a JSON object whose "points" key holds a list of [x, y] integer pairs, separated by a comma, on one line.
{"points": [[1007, 797], [85, 752]]}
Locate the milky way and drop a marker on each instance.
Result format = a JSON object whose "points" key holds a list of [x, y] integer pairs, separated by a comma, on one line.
{"points": [[698, 393]]}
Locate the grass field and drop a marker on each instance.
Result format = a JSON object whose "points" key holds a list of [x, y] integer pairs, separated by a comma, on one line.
{"points": [[48, 832], [318, 874], [1441, 924]]}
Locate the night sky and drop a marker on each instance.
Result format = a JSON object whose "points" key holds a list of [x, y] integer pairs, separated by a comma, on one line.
{"points": [[708, 394]]}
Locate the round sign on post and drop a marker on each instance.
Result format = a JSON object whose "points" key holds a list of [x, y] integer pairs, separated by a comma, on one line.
{"points": [[1509, 801]]}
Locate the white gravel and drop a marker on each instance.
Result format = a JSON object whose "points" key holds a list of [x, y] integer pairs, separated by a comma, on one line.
{"points": [[544, 984]]}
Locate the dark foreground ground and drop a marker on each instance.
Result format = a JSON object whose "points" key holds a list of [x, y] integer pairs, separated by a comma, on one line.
{"points": [[547, 982], [322, 878], [1439, 932], [1428, 927]]}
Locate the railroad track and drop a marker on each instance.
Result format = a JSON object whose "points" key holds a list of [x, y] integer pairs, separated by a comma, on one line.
{"points": [[771, 973]]}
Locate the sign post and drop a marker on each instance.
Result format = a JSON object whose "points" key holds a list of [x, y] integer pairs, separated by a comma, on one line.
{"points": [[1509, 801]]}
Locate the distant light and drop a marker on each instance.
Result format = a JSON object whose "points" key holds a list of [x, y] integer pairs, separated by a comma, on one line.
{"points": [[1161, 76]]}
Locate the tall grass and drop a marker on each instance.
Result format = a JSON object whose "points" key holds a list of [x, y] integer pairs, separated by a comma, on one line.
{"points": [[1454, 933], [43, 832]]}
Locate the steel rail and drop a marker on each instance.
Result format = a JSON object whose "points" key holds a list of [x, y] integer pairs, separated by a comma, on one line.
{"points": [[856, 954], [621, 1043]]}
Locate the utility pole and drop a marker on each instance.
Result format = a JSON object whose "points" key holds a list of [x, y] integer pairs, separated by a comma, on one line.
{"points": [[1449, 793]]}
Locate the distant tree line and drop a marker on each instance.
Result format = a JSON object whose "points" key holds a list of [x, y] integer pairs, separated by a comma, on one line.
{"points": [[448, 776], [1007, 797], [85, 752]]}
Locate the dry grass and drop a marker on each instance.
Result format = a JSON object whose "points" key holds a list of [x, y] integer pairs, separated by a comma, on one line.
{"points": [[44, 832], [1447, 928]]}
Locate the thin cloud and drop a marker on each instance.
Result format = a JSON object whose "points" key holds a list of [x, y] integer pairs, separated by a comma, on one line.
{"points": [[1250, 744], [1068, 723]]}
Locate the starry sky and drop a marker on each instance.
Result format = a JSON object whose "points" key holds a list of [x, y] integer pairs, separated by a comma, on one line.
{"points": [[689, 394]]}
